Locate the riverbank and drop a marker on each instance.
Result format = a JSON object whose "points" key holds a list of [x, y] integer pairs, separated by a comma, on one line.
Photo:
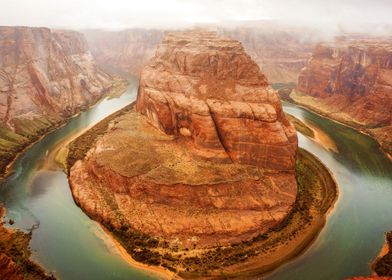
{"points": [[382, 266], [15, 263], [158, 271], [343, 119], [12, 153], [260, 255]]}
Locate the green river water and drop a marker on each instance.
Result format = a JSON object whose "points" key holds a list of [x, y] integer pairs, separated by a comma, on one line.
{"points": [[67, 243]]}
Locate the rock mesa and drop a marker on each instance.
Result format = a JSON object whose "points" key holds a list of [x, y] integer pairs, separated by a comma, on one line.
{"points": [[208, 161]]}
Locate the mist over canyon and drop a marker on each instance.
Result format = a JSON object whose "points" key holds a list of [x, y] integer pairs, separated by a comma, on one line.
{"points": [[195, 139]]}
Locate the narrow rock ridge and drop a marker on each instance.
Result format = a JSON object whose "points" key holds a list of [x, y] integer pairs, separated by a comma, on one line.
{"points": [[219, 99]]}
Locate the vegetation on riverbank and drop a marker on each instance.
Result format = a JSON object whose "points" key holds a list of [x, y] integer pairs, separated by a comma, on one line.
{"points": [[79, 147], [383, 265], [15, 254], [316, 194]]}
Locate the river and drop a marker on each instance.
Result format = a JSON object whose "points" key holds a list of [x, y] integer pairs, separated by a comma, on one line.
{"points": [[67, 243]]}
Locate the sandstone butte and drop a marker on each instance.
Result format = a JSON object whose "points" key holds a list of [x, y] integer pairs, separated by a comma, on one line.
{"points": [[46, 76], [351, 81], [208, 158]]}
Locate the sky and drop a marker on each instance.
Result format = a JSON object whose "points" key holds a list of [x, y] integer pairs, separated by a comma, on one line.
{"points": [[119, 14]]}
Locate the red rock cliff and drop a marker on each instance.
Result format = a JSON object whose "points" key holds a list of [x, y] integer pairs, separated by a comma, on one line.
{"points": [[351, 81], [46, 73], [45, 77], [206, 88]]}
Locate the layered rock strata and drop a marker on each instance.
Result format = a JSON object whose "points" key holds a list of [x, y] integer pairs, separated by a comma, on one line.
{"points": [[208, 162], [207, 89], [281, 51], [46, 76], [351, 81]]}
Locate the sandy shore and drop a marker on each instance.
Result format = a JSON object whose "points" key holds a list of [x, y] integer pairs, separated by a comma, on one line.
{"points": [[281, 246], [322, 138], [158, 271], [322, 114]]}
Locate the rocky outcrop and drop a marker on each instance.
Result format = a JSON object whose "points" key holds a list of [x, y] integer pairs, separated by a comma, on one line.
{"points": [[123, 51], [209, 162], [207, 89], [15, 253], [46, 76], [351, 81]]}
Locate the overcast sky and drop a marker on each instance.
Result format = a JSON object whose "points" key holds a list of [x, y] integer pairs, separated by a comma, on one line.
{"points": [[119, 14]]}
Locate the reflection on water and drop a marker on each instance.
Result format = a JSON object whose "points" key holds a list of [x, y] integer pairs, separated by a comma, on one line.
{"points": [[68, 243]]}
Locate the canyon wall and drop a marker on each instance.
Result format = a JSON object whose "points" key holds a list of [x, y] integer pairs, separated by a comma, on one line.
{"points": [[123, 51], [280, 51], [351, 81], [46, 76], [206, 88]]}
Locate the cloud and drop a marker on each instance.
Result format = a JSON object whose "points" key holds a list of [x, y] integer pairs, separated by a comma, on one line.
{"points": [[118, 14]]}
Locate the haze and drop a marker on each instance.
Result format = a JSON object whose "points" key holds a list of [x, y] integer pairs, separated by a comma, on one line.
{"points": [[349, 15]]}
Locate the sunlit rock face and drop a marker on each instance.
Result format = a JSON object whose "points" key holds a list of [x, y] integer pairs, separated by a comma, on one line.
{"points": [[206, 88], [46, 74], [351, 80]]}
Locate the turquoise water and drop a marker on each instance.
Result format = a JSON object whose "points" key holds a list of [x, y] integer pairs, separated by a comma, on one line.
{"points": [[66, 241], [354, 232], [72, 246]]}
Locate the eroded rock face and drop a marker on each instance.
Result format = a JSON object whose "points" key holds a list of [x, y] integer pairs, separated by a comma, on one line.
{"points": [[206, 88], [208, 159], [351, 81], [138, 177], [46, 74]]}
